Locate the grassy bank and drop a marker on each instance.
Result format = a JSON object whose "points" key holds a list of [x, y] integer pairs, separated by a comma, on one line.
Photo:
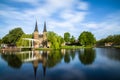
{"points": [[43, 49], [116, 46], [75, 47], [65, 47]]}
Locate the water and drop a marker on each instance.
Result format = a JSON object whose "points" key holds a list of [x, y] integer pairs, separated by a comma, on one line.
{"points": [[80, 64]]}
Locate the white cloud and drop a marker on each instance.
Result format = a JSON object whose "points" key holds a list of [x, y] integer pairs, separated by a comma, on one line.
{"points": [[109, 26], [82, 5], [61, 16], [26, 18]]}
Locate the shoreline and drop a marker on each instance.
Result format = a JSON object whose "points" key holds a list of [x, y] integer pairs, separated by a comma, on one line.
{"points": [[63, 47]]}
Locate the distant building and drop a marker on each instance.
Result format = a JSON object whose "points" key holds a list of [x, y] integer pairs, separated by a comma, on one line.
{"points": [[40, 40], [108, 44]]}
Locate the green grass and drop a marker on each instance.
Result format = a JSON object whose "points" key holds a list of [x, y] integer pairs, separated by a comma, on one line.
{"points": [[65, 47], [116, 46], [43, 49], [75, 47]]}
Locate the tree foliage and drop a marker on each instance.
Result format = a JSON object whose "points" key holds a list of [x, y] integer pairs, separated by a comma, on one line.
{"points": [[72, 39], [87, 38], [55, 40], [115, 39], [67, 37], [23, 42], [0, 41], [13, 36]]}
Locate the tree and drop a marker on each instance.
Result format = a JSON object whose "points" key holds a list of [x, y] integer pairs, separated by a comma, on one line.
{"points": [[72, 39], [0, 41], [13, 36], [55, 40], [67, 37], [115, 39], [87, 38], [22, 42]]}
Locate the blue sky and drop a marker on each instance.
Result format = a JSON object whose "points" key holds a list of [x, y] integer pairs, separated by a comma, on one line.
{"points": [[101, 17]]}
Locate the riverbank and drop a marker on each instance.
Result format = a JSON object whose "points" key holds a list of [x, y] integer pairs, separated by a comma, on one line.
{"points": [[65, 47], [108, 46], [43, 49], [117, 47], [9, 49], [75, 47]]}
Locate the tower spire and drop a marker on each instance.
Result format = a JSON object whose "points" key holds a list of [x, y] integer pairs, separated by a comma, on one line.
{"points": [[44, 30], [36, 27]]}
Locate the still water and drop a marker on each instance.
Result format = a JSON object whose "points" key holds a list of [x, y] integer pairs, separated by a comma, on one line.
{"points": [[79, 64]]}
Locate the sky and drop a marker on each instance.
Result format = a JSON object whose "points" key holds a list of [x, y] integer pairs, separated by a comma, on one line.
{"points": [[101, 17]]}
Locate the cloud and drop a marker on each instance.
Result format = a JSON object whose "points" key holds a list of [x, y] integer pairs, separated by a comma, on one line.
{"points": [[109, 26], [64, 10], [82, 5], [61, 16]]}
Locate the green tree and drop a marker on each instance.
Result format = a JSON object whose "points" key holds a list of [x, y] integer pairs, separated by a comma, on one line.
{"points": [[115, 39], [0, 41], [87, 38], [55, 40], [13, 36], [22, 41], [72, 40], [67, 37]]}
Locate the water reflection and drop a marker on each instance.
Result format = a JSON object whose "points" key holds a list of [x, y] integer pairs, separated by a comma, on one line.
{"points": [[49, 58], [111, 53], [69, 55], [54, 58], [12, 60], [62, 64], [41, 58], [87, 56]]}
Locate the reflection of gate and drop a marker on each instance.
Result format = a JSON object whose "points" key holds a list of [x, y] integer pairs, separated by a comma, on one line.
{"points": [[29, 56]]}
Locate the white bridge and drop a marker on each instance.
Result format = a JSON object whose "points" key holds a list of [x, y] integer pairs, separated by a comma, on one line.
{"points": [[30, 41]]}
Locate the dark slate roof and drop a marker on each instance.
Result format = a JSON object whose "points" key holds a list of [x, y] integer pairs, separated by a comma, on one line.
{"points": [[44, 30], [36, 27]]}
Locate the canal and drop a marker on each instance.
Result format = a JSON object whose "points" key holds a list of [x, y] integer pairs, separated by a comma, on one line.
{"points": [[65, 64]]}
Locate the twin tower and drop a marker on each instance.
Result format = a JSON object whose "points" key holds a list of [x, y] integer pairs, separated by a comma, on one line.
{"points": [[40, 40]]}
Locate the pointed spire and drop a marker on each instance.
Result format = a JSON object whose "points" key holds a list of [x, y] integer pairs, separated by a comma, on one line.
{"points": [[44, 30], [44, 71], [36, 27], [35, 71]]}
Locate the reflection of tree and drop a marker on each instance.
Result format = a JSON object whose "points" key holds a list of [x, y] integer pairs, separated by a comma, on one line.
{"points": [[72, 54], [12, 60], [53, 58], [111, 53], [88, 56], [67, 58], [23, 56], [69, 54]]}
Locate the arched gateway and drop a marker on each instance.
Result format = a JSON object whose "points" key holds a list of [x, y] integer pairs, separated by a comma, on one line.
{"points": [[41, 39]]}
